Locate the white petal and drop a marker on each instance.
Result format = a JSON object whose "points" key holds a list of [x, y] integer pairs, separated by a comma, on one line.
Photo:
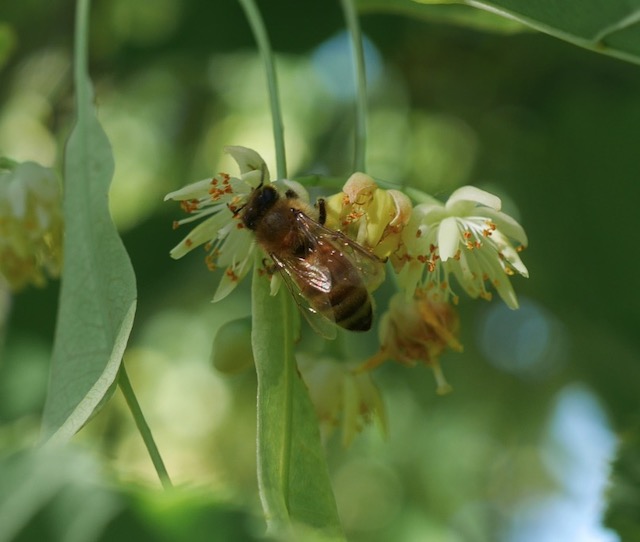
{"points": [[203, 232], [300, 190], [473, 194], [409, 276], [448, 238], [509, 254], [506, 292], [506, 224], [232, 277], [240, 186], [225, 286], [254, 178], [238, 243], [248, 160], [195, 190], [461, 269], [498, 278]]}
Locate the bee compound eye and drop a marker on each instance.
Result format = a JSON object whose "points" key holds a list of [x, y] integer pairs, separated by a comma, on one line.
{"points": [[268, 196]]}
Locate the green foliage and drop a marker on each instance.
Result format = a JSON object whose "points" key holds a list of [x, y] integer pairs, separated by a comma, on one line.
{"points": [[444, 12], [605, 26], [59, 493], [98, 294], [52, 493], [292, 471]]}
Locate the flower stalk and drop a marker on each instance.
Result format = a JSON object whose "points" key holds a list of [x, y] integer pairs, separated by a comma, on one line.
{"points": [[264, 46], [143, 427], [360, 79]]}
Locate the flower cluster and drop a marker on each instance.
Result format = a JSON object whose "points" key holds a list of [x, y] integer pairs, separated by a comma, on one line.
{"points": [[217, 202], [31, 225], [467, 238]]}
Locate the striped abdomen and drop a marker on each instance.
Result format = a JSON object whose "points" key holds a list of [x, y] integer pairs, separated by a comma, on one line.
{"points": [[344, 299]]}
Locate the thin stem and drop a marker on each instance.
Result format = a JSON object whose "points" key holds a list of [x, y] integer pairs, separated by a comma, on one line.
{"points": [[262, 39], [143, 427], [360, 80], [81, 62]]}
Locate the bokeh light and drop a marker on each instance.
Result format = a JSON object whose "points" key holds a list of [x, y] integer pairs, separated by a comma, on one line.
{"points": [[530, 342], [578, 449]]}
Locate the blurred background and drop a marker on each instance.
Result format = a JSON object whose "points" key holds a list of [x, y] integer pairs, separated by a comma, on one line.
{"points": [[544, 397]]}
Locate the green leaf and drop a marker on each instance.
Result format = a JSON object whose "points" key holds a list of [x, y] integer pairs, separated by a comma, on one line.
{"points": [[444, 12], [292, 471], [98, 293], [607, 26], [58, 484], [60, 493]]}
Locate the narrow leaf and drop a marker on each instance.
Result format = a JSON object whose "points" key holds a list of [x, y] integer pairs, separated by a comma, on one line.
{"points": [[98, 293], [610, 27], [446, 13], [292, 471], [606, 26]]}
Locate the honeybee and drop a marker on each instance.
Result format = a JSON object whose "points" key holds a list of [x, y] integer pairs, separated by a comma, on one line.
{"points": [[329, 274]]}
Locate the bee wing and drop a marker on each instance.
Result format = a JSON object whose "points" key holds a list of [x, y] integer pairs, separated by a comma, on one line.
{"points": [[296, 271], [369, 266]]}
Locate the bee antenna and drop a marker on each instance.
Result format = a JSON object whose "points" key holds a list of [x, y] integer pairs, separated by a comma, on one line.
{"points": [[263, 168]]}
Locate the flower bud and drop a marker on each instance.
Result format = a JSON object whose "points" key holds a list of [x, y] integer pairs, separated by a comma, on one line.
{"points": [[232, 352], [373, 217], [341, 397]]}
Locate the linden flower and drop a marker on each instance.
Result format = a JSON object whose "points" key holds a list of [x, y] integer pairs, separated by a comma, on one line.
{"points": [[417, 331], [468, 237], [216, 202], [341, 397], [31, 225], [373, 217]]}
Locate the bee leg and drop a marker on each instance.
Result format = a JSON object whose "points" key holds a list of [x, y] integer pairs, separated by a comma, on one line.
{"points": [[235, 210], [322, 211]]}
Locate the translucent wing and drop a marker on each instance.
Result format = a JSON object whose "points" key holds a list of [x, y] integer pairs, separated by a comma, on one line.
{"points": [[329, 258], [370, 268], [294, 272]]}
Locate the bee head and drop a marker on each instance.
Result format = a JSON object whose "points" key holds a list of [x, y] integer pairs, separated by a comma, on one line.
{"points": [[261, 200]]}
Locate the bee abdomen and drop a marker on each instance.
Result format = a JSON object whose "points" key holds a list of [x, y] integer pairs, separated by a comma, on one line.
{"points": [[351, 307]]}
